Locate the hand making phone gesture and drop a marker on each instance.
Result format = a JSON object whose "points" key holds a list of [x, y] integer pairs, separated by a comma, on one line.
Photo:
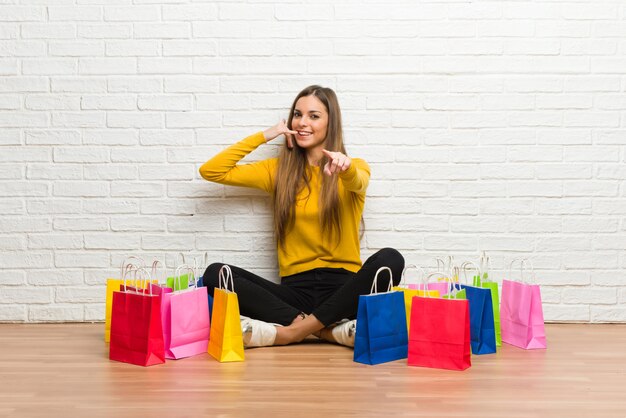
{"points": [[280, 128]]}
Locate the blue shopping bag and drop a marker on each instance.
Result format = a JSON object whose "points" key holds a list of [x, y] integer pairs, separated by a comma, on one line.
{"points": [[482, 280], [482, 328], [381, 334]]}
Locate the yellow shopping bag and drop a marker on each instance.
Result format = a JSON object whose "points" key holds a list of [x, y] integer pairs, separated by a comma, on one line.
{"points": [[225, 339], [409, 293]]}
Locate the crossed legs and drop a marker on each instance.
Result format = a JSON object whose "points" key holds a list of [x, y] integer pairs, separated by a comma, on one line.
{"points": [[270, 302]]}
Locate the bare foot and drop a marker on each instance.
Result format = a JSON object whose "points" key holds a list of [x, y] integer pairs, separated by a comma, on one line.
{"points": [[298, 330]]}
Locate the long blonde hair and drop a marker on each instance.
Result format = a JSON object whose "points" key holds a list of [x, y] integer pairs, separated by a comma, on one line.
{"points": [[293, 173]]}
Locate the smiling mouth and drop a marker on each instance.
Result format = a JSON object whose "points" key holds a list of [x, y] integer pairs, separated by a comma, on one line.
{"points": [[304, 133]]}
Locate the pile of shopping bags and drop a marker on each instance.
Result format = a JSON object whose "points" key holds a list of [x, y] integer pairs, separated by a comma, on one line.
{"points": [[442, 323], [439, 321], [151, 317]]}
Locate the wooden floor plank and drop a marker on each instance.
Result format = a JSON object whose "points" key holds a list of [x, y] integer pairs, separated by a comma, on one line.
{"points": [[63, 370]]}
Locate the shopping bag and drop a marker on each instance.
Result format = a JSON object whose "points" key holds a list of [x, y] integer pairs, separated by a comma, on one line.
{"points": [[113, 285], [483, 280], [440, 286], [381, 333], [455, 291], [440, 334], [445, 267], [136, 332], [186, 321], [444, 275], [200, 270], [482, 330], [175, 284], [226, 341], [408, 293], [200, 284], [521, 312], [495, 303]]}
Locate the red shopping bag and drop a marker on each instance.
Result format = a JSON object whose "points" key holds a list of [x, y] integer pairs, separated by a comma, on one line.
{"points": [[129, 264], [136, 332], [440, 333]]}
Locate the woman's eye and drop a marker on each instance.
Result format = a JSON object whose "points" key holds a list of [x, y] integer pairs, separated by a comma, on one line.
{"points": [[314, 117]]}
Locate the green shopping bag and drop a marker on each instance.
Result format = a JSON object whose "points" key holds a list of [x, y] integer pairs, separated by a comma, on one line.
{"points": [[182, 282], [178, 283], [455, 292]]}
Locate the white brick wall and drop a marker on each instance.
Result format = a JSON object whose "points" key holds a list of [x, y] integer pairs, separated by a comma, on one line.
{"points": [[496, 126]]}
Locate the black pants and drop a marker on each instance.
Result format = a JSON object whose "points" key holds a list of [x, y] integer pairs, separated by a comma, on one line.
{"points": [[329, 294]]}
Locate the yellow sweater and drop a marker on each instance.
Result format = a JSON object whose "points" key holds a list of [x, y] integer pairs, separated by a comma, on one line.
{"points": [[304, 248]]}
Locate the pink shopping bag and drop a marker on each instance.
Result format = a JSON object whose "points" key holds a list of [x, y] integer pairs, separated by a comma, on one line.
{"points": [[521, 313], [186, 323], [441, 285]]}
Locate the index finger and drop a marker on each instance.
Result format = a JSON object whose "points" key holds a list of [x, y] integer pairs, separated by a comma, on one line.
{"points": [[328, 153]]}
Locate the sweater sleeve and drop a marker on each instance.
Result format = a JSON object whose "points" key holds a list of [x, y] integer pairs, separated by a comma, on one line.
{"points": [[357, 177], [224, 168]]}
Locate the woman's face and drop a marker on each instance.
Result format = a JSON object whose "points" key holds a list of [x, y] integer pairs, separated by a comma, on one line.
{"points": [[310, 120]]}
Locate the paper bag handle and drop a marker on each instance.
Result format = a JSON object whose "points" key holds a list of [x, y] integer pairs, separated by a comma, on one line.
{"points": [[403, 277], [452, 290], [455, 274], [446, 265], [153, 271], [225, 276], [190, 274], [126, 262], [522, 261], [475, 267], [143, 282], [427, 280], [129, 268], [198, 267], [485, 266], [374, 288]]}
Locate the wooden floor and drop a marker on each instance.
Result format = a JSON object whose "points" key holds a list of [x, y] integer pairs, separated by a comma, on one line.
{"points": [[63, 370]]}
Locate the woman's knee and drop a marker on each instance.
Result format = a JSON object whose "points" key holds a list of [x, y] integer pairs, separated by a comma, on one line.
{"points": [[210, 278], [390, 257]]}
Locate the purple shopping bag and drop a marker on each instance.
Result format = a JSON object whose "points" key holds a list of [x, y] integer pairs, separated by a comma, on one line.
{"points": [[521, 314]]}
